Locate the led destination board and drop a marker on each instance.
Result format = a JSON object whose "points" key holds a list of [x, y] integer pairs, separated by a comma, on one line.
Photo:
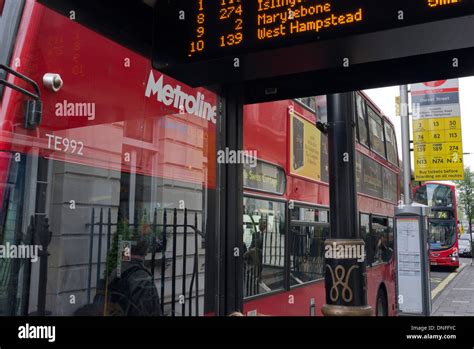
{"points": [[200, 30]]}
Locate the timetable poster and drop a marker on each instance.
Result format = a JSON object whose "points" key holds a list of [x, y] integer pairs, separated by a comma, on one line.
{"points": [[437, 134]]}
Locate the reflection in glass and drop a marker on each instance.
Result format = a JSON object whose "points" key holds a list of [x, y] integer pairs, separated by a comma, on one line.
{"points": [[380, 239], [264, 246], [377, 139], [308, 229], [361, 120], [126, 188], [307, 253], [377, 233]]}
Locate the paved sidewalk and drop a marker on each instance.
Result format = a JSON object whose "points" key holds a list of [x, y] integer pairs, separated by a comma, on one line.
{"points": [[457, 299]]}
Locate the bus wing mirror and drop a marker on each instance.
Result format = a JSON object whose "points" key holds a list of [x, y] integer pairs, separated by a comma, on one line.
{"points": [[322, 126], [33, 106]]}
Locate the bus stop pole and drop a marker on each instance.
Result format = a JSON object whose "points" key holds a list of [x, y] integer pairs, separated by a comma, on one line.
{"points": [[405, 123], [345, 276], [411, 221]]}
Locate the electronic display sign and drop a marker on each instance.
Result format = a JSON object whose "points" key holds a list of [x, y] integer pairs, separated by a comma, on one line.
{"points": [[202, 30]]}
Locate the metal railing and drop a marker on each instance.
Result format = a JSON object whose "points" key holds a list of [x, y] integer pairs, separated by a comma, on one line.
{"points": [[160, 250], [265, 255]]}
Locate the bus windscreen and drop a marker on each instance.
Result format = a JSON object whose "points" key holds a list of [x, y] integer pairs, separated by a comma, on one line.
{"points": [[442, 234], [435, 195]]}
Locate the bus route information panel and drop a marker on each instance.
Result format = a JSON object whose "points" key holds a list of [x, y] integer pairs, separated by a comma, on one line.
{"points": [[207, 29]]}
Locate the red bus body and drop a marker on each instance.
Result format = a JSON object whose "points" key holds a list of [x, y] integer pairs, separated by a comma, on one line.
{"points": [[147, 136], [444, 230], [270, 121]]}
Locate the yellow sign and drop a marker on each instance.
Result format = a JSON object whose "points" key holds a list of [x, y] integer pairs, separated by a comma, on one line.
{"points": [[437, 137], [438, 149], [305, 150]]}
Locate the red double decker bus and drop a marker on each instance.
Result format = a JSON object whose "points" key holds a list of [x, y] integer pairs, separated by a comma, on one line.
{"points": [[97, 149], [293, 204], [121, 153], [443, 227]]}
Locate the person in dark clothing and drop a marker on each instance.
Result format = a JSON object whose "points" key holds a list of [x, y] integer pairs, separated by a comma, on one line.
{"points": [[383, 250], [257, 241], [253, 257], [133, 293]]}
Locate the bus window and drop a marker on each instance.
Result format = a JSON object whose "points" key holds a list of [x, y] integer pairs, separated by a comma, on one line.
{"points": [[309, 102], [391, 144], [12, 194], [9, 21], [391, 240], [435, 195], [264, 246], [376, 132], [365, 235], [308, 230], [307, 253], [361, 120], [380, 239]]}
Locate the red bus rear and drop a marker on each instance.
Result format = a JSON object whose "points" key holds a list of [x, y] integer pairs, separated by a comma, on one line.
{"points": [[443, 227]]}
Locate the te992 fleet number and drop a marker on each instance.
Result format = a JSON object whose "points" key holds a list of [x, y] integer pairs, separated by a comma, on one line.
{"points": [[66, 145]]}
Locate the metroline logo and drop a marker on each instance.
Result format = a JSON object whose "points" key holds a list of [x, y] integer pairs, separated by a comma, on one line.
{"points": [[169, 95]]}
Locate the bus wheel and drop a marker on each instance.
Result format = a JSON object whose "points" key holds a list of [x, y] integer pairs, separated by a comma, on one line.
{"points": [[381, 307]]}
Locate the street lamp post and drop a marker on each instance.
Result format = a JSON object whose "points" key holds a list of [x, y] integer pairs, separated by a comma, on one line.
{"points": [[345, 271]]}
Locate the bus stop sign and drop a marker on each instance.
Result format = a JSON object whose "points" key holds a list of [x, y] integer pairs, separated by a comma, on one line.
{"points": [[413, 267], [437, 132]]}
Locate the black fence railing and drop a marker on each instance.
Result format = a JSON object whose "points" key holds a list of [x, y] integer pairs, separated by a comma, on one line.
{"points": [[306, 254], [274, 247], [183, 295], [264, 242]]}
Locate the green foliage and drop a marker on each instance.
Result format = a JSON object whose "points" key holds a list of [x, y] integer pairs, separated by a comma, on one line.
{"points": [[142, 232], [123, 233], [465, 189]]}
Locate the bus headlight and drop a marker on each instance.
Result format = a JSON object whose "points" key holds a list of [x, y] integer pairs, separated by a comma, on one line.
{"points": [[454, 254]]}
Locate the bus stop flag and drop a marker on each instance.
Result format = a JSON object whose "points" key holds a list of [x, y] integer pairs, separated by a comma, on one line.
{"points": [[437, 135]]}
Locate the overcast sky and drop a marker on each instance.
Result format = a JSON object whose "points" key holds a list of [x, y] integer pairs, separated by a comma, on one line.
{"points": [[385, 99]]}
